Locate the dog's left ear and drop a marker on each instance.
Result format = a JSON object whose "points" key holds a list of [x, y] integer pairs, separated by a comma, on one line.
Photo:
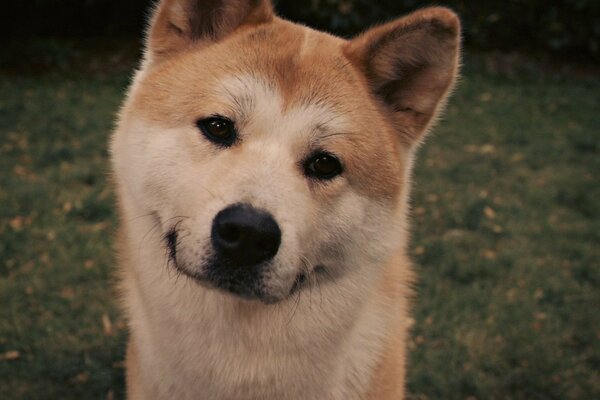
{"points": [[411, 65], [177, 24]]}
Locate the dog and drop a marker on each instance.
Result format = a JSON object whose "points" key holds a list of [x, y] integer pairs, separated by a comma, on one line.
{"points": [[262, 172]]}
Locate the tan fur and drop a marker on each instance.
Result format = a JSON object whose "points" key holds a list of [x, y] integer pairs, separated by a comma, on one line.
{"points": [[290, 91], [389, 376]]}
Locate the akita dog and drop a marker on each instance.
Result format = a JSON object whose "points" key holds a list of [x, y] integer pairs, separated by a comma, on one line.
{"points": [[262, 170]]}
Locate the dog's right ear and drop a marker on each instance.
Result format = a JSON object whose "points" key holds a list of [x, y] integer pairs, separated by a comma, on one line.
{"points": [[176, 24], [411, 65]]}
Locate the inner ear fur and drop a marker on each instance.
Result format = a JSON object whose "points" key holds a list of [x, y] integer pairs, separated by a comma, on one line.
{"points": [[178, 23], [410, 65]]}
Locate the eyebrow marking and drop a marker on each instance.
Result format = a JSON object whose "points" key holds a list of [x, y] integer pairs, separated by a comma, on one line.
{"points": [[337, 134], [321, 133], [242, 104], [247, 95]]}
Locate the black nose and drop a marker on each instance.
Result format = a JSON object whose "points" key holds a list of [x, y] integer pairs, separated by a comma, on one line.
{"points": [[244, 235]]}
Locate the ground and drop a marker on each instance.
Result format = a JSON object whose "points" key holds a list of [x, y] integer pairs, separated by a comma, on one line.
{"points": [[506, 222]]}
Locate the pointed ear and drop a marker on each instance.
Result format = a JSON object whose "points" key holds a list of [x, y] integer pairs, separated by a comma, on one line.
{"points": [[411, 65], [178, 23]]}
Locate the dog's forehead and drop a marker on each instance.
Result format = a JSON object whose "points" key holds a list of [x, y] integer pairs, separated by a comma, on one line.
{"points": [[291, 71], [278, 68], [305, 65]]}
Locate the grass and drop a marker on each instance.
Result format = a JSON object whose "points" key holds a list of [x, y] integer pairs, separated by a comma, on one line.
{"points": [[506, 239]]}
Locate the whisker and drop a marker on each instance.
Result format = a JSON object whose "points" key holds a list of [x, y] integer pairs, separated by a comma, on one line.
{"points": [[152, 228], [214, 196], [167, 259], [295, 308], [141, 216], [309, 278]]}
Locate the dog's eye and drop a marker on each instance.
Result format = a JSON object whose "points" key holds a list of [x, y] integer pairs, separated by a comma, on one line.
{"points": [[219, 130], [322, 166]]}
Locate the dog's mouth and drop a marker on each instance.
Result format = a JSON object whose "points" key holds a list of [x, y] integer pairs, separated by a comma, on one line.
{"points": [[240, 281]]}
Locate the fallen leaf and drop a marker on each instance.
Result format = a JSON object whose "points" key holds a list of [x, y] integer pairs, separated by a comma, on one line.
{"points": [[432, 198], [82, 377], [539, 293], [67, 293], [107, 325], [17, 223], [487, 149], [45, 258], [489, 212], [419, 211], [497, 229], [485, 97], [99, 226], [11, 355], [517, 157], [541, 316], [19, 170], [489, 254]]}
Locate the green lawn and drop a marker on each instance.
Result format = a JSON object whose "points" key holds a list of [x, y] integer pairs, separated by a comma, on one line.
{"points": [[506, 236]]}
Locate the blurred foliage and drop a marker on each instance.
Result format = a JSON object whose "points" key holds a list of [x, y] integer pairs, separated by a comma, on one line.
{"points": [[561, 26], [565, 27]]}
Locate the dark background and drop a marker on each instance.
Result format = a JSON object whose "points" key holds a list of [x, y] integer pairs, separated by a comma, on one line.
{"points": [[562, 28]]}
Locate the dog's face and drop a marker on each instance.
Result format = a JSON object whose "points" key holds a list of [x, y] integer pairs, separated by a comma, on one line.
{"points": [[271, 155]]}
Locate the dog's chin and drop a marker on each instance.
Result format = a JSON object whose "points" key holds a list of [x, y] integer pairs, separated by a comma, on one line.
{"points": [[238, 286]]}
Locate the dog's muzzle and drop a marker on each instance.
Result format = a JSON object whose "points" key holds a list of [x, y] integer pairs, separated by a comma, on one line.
{"points": [[244, 239]]}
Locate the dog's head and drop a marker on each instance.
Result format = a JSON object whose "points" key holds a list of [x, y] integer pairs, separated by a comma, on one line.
{"points": [[271, 154]]}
